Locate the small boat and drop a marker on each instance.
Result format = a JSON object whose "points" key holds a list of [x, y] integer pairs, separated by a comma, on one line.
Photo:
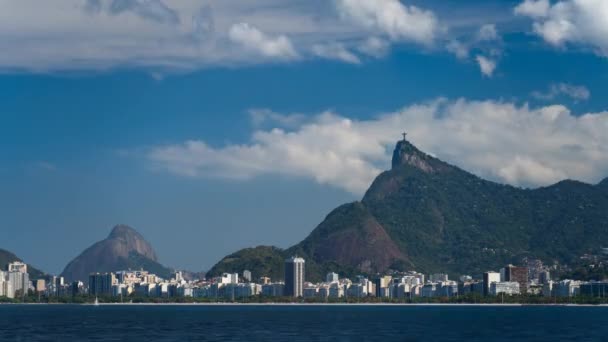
{"points": [[96, 303]]}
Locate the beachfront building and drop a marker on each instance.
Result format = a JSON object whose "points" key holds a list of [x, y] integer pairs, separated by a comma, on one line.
{"points": [[101, 283], [517, 274], [594, 289], [504, 287], [294, 277], [489, 278]]}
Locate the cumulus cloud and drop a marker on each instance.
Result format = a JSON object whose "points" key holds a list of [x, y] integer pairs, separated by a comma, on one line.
{"points": [[486, 65], [533, 8], [501, 141], [335, 51], [487, 32], [570, 21], [391, 17], [254, 39], [578, 93]]}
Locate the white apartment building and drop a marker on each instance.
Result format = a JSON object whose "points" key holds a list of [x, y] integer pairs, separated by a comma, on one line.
{"points": [[504, 287]]}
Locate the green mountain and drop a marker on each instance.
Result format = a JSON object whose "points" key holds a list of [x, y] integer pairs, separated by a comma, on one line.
{"points": [[7, 257], [123, 249], [428, 215]]}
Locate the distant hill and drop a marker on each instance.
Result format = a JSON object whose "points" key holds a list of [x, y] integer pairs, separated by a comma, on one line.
{"points": [[123, 249], [7, 257], [428, 215]]}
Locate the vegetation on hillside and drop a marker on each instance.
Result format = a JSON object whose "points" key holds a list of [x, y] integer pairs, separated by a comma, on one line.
{"points": [[444, 219]]}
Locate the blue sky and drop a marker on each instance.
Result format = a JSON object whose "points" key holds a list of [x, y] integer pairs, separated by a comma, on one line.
{"points": [[210, 126]]}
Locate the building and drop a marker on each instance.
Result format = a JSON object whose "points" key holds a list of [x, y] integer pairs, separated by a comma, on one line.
{"points": [[488, 279], [429, 290], [17, 266], [19, 283], [504, 287], [331, 277], [40, 285], [566, 288], [247, 276], [594, 289], [382, 284], [264, 280], [101, 283], [77, 288], [273, 289], [294, 277], [517, 274], [544, 277], [311, 291], [447, 289], [229, 278], [438, 277], [336, 290]]}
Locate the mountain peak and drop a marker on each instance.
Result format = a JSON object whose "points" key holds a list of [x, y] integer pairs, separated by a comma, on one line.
{"points": [[124, 248], [123, 231], [406, 154]]}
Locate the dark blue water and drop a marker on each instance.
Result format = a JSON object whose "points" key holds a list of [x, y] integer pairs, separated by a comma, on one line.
{"points": [[301, 323]]}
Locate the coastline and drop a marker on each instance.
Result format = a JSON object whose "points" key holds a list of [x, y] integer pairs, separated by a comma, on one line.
{"points": [[318, 304]]}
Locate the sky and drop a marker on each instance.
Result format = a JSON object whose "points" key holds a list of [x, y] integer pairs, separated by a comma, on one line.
{"points": [[211, 126]]}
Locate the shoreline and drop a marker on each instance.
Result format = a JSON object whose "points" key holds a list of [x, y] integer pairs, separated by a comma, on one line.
{"points": [[320, 304]]}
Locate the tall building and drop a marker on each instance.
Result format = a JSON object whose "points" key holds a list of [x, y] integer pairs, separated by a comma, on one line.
{"points": [[488, 279], [517, 274], [294, 277], [101, 283], [19, 283], [381, 283]]}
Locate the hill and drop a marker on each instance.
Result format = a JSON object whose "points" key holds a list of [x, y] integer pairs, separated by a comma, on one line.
{"points": [[428, 215], [7, 257], [123, 249]]}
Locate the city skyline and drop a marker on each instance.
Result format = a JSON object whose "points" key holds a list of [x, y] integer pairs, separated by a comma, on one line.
{"points": [[181, 114]]}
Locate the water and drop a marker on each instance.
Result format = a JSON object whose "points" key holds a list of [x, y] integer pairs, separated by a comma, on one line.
{"points": [[301, 323]]}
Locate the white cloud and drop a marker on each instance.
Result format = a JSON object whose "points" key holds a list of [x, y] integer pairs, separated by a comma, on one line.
{"points": [[391, 17], [486, 65], [460, 50], [335, 51], [500, 141], [253, 39], [374, 46], [487, 33], [167, 36], [579, 93], [570, 21], [533, 8]]}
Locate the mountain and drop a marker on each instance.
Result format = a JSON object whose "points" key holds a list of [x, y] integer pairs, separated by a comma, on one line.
{"points": [[7, 257], [428, 215], [123, 249]]}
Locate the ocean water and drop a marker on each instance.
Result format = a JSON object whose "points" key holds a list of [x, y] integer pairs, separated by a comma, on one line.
{"points": [[301, 323]]}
